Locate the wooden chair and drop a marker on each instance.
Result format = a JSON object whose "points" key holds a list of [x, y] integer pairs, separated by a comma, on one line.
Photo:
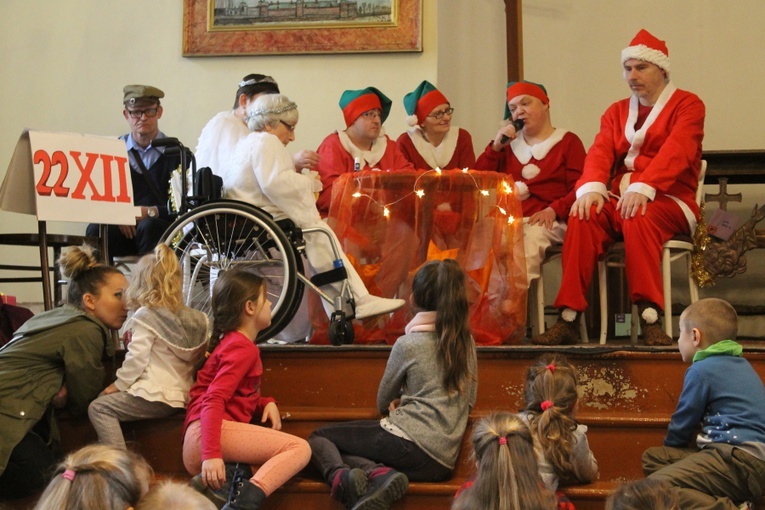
{"points": [[52, 293], [680, 247]]}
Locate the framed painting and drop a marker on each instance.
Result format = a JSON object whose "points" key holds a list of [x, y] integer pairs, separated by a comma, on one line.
{"points": [[273, 27]]}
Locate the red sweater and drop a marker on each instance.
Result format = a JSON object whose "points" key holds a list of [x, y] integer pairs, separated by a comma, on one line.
{"points": [[227, 388]]}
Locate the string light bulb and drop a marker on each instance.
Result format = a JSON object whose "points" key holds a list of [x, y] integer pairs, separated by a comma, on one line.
{"points": [[420, 193], [386, 211], [507, 188]]}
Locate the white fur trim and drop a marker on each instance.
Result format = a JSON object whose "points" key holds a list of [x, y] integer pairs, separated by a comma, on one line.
{"points": [[522, 190], [530, 171], [435, 156], [568, 315], [650, 315], [597, 187], [636, 138], [646, 54], [524, 152], [372, 157], [411, 120]]}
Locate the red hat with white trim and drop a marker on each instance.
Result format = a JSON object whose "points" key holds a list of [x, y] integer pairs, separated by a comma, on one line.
{"points": [[355, 102], [647, 48]]}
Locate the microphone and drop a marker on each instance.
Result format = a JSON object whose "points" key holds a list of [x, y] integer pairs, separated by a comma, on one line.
{"points": [[518, 125]]}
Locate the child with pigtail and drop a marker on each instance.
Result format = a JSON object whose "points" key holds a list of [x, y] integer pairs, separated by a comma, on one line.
{"points": [[507, 477], [563, 453]]}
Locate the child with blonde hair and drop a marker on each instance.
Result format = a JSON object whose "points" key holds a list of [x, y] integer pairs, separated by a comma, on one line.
{"points": [[237, 463], [507, 477], [563, 453], [167, 343], [97, 477]]}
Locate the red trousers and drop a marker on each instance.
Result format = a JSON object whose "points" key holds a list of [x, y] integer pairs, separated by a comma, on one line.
{"points": [[587, 241]]}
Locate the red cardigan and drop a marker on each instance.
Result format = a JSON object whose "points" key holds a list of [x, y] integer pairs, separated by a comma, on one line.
{"points": [[227, 388]]}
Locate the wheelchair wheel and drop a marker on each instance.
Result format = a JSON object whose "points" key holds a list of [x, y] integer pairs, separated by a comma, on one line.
{"points": [[224, 234], [340, 330]]}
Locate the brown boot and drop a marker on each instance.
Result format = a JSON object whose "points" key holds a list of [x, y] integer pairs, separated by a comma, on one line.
{"points": [[650, 324], [562, 332]]}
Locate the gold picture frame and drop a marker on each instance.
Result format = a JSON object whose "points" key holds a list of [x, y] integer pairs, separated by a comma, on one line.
{"points": [[280, 27]]}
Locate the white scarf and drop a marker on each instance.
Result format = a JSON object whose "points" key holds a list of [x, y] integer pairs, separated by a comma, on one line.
{"points": [[636, 138]]}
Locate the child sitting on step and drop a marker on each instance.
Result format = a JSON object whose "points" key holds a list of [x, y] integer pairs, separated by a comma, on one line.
{"points": [[722, 406], [563, 453], [168, 341], [507, 477], [426, 394], [220, 444]]}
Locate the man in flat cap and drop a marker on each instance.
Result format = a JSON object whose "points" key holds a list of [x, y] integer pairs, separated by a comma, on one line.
{"points": [[150, 170], [638, 184]]}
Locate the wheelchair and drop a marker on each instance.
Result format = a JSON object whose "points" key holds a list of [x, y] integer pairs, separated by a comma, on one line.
{"points": [[212, 234]]}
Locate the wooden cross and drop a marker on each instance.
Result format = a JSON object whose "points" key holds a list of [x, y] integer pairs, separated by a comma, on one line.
{"points": [[723, 197]]}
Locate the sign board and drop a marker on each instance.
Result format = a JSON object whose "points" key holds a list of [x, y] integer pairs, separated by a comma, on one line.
{"points": [[70, 177]]}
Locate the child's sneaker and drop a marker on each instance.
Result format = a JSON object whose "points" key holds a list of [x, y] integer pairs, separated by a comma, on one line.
{"points": [[349, 485], [386, 486]]}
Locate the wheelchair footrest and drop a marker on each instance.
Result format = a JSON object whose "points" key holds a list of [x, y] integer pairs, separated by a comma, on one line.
{"points": [[333, 275]]}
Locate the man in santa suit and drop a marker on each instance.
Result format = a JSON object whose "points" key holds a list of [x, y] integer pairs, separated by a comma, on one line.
{"points": [[363, 145], [545, 163], [649, 147]]}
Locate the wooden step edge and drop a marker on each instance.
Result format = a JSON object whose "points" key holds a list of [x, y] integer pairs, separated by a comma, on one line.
{"points": [[601, 419]]}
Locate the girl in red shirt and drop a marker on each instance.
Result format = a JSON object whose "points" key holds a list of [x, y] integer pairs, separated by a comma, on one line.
{"points": [[220, 444]]}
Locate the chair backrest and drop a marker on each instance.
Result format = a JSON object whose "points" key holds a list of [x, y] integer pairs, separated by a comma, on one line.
{"points": [[702, 174]]}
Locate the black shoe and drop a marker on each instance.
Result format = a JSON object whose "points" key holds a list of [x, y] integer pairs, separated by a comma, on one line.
{"points": [[383, 491], [562, 332], [349, 486], [244, 494], [650, 324], [220, 497]]}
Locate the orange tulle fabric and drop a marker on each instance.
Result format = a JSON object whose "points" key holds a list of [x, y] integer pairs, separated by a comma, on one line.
{"points": [[453, 219]]}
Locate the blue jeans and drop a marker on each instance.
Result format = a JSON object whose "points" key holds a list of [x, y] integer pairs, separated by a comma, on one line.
{"points": [[366, 445]]}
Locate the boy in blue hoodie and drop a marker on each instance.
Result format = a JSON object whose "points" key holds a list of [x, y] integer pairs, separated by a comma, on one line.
{"points": [[723, 400]]}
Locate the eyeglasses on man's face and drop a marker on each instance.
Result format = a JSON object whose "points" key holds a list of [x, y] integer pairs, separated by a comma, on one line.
{"points": [[440, 115], [372, 114], [149, 112], [290, 127]]}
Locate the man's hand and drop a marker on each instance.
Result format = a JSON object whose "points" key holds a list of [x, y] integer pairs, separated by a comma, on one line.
{"points": [[508, 131], [630, 203], [127, 230], [581, 208], [545, 218], [306, 159], [214, 473], [271, 413]]}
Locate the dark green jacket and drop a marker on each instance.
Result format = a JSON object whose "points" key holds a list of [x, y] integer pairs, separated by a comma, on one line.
{"points": [[64, 345]]}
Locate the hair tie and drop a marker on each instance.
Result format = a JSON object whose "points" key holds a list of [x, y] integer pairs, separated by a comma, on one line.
{"points": [[551, 367], [68, 475], [502, 440], [546, 404]]}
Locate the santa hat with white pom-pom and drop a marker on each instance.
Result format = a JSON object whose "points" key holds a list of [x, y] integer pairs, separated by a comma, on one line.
{"points": [[421, 101]]}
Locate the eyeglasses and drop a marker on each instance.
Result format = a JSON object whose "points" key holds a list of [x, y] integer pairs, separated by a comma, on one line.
{"points": [[290, 127], [137, 114], [440, 115], [371, 114]]}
